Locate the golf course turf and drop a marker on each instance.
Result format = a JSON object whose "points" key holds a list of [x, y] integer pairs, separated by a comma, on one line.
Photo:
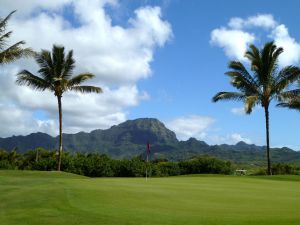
{"points": [[38, 198]]}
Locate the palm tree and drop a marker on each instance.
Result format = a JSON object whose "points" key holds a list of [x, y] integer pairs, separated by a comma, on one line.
{"points": [[15, 51], [56, 75], [266, 83]]}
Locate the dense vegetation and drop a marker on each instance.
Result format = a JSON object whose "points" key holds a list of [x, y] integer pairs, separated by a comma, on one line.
{"points": [[97, 165], [100, 165]]}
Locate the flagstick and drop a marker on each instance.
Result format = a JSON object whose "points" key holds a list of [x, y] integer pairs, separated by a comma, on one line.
{"points": [[147, 160], [147, 168]]}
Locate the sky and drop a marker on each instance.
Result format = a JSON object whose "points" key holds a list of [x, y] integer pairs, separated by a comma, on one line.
{"points": [[162, 59]]}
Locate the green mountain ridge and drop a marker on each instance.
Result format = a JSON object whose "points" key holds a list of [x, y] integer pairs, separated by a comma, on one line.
{"points": [[129, 139]]}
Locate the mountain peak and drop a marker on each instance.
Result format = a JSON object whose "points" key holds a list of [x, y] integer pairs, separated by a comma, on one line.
{"points": [[241, 143], [143, 123], [146, 129], [193, 142]]}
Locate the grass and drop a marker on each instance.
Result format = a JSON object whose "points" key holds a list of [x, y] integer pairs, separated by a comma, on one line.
{"points": [[28, 197]]}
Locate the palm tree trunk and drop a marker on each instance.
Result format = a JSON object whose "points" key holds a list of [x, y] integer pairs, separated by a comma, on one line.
{"points": [[268, 139], [60, 133]]}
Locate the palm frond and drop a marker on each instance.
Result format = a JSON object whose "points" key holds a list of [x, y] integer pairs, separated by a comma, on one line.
{"points": [[286, 76], [241, 79], [291, 104], [69, 65], [3, 22], [58, 56], [288, 95], [86, 89], [3, 39], [236, 96], [55, 73], [252, 53], [15, 52], [250, 102], [265, 71], [273, 66], [254, 56], [80, 78], [45, 61], [28, 79]]}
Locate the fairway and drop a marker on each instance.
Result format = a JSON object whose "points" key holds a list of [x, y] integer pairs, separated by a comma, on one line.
{"points": [[28, 197]]}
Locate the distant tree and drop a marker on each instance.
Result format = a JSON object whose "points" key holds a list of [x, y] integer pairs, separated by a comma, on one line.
{"points": [[266, 83], [15, 51], [56, 75]]}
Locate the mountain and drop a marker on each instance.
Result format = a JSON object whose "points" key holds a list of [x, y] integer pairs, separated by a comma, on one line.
{"points": [[124, 140], [129, 139], [31, 141]]}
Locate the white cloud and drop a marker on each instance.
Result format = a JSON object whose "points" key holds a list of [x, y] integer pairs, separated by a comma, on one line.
{"points": [[291, 54], [25, 8], [119, 56], [190, 126], [261, 20], [230, 139], [18, 121], [234, 42], [236, 23], [235, 38], [201, 128], [238, 137], [238, 111]]}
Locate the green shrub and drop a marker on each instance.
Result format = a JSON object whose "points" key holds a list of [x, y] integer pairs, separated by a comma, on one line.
{"points": [[99, 165]]}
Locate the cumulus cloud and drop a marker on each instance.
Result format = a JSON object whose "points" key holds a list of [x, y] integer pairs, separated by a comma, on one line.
{"points": [[231, 139], [190, 126], [118, 56], [291, 54], [239, 33], [234, 42], [238, 137], [238, 111], [260, 20], [202, 128], [26, 8], [18, 121]]}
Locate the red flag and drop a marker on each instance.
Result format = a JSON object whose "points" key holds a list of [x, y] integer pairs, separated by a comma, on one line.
{"points": [[148, 147]]}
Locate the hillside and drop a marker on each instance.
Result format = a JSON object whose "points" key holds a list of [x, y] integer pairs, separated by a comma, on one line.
{"points": [[129, 139]]}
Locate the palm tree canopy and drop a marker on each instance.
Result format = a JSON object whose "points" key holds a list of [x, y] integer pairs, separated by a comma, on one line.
{"points": [[55, 74], [15, 51], [265, 83]]}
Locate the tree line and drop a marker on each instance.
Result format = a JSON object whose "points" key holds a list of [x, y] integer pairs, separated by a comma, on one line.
{"points": [[263, 83], [100, 165]]}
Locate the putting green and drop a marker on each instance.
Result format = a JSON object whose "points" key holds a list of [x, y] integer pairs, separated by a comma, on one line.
{"points": [[28, 197]]}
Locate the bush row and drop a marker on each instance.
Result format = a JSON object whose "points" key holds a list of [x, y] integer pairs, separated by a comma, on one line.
{"points": [[280, 169], [98, 165]]}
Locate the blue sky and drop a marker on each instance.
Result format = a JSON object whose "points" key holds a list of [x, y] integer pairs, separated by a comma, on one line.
{"points": [[189, 70], [182, 67]]}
